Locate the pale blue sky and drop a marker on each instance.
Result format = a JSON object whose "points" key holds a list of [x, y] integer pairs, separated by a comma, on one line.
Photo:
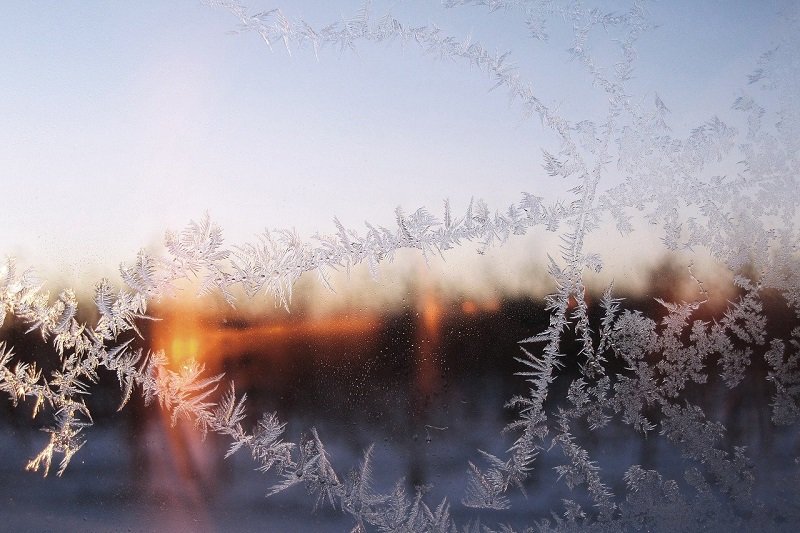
{"points": [[123, 119]]}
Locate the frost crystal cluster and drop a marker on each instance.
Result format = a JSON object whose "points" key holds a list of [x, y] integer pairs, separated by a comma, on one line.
{"points": [[638, 368]]}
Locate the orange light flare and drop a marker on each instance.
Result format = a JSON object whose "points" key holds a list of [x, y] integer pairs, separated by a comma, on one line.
{"points": [[431, 314], [183, 337], [492, 305], [333, 326], [186, 334], [427, 372], [470, 307]]}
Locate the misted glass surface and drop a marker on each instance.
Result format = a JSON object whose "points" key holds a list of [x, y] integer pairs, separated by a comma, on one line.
{"points": [[200, 332]]}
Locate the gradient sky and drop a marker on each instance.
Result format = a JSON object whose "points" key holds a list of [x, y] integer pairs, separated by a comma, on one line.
{"points": [[123, 119]]}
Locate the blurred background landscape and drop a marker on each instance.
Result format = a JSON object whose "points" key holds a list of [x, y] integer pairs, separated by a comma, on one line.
{"points": [[425, 381]]}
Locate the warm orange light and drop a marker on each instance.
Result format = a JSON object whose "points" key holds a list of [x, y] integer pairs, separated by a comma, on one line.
{"points": [[431, 313], [184, 349], [492, 305], [185, 333], [469, 307], [319, 327], [182, 336]]}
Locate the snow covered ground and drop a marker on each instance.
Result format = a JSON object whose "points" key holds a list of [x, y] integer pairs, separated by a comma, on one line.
{"points": [[169, 479]]}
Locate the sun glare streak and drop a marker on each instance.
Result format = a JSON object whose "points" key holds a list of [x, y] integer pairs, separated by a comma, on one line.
{"points": [[188, 333]]}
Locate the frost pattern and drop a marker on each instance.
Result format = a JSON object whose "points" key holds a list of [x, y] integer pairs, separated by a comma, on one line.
{"points": [[634, 369]]}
